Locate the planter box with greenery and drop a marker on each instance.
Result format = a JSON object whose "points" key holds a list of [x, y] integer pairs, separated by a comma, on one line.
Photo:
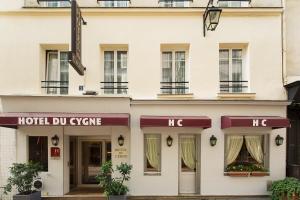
{"points": [[245, 170], [286, 189], [21, 177], [114, 187]]}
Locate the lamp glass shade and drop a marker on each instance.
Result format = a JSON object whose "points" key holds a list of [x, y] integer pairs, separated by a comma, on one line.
{"points": [[279, 140], [213, 141], [169, 141], [55, 140], [121, 140], [213, 17]]}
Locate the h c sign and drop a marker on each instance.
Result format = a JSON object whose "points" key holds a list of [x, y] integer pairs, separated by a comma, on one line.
{"points": [[174, 122], [259, 122]]}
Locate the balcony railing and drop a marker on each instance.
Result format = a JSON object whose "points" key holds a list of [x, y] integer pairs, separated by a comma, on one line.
{"points": [[114, 87], [233, 86], [56, 87], [174, 87]]}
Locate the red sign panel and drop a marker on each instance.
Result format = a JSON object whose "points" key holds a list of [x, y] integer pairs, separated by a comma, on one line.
{"points": [[175, 121], [55, 152], [63, 119], [254, 121]]}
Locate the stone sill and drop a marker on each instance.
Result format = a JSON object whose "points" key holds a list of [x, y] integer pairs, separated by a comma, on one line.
{"points": [[246, 174], [176, 96], [236, 96]]}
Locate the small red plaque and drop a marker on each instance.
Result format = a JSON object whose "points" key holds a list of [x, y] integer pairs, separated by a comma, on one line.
{"points": [[55, 152]]}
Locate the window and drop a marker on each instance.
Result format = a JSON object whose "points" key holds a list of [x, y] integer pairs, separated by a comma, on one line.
{"points": [[233, 3], [232, 72], [115, 72], [55, 4], [57, 73], [152, 152], [246, 152], [174, 72], [116, 3], [174, 3], [38, 150]]}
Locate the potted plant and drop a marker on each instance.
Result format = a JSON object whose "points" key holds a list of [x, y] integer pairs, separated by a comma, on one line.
{"points": [[286, 189], [21, 177], [114, 187]]}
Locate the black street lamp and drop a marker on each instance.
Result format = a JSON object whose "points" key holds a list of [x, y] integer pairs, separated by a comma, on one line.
{"points": [[169, 141], [211, 17], [55, 140], [121, 140], [279, 140], [213, 141]]}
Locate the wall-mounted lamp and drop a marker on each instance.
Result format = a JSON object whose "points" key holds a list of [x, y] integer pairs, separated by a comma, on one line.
{"points": [[121, 140], [213, 140], [55, 140], [279, 140], [211, 17], [169, 141]]}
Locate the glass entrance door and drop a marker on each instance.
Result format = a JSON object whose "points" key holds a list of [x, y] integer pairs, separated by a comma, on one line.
{"points": [[94, 154]]}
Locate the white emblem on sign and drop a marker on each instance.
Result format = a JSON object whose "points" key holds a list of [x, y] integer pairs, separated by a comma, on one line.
{"points": [[178, 122], [255, 122]]}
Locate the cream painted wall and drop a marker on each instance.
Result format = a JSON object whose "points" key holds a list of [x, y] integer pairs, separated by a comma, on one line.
{"points": [[292, 40], [135, 31], [213, 181]]}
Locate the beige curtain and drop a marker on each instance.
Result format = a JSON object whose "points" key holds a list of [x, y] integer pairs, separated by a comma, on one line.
{"points": [[254, 147], [233, 148], [188, 152], [152, 150]]}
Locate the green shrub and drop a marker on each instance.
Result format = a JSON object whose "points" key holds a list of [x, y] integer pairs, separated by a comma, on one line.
{"points": [[114, 185], [22, 176], [287, 186]]}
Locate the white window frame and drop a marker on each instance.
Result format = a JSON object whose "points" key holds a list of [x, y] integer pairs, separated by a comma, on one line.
{"points": [[152, 172], [115, 53], [233, 4], [266, 147], [58, 52], [55, 4], [244, 69], [114, 4], [186, 56], [177, 4]]}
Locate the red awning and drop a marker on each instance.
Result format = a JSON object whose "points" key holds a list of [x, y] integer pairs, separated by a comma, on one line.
{"points": [[175, 121], [13, 120], [254, 121]]}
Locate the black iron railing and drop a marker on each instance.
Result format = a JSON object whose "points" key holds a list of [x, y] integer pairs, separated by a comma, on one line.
{"points": [[111, 87], [56, 87], [233, 86], [174, 87]]}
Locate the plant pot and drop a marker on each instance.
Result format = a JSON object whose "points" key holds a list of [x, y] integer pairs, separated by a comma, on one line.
{"points": [[237, 174], [260, 174], [117, 197], [33, 196], [294, 197]]}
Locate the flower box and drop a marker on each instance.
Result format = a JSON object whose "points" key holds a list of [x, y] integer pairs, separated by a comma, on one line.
{"points": [[255, 173], [237, 174]]}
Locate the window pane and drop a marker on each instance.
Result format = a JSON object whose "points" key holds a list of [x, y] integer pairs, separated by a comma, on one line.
{"points": [[245, 151], [52, 72], [152, 152], [114, 3], [64, 73], [237, 73], [224, 70], [122, 72], [166, 72], [38, 150], [109, 72], [180, 72]]}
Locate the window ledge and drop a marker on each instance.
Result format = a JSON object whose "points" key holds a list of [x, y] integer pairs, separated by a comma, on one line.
{"points": [[246, 174], [152, 173], [237, 96], [176, 96]]}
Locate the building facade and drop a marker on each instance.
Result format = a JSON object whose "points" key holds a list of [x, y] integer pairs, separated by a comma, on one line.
{"points": [[152, 81]]}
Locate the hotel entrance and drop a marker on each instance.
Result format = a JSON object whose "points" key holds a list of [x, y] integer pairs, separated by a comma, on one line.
{"points": [[87, 154]]}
